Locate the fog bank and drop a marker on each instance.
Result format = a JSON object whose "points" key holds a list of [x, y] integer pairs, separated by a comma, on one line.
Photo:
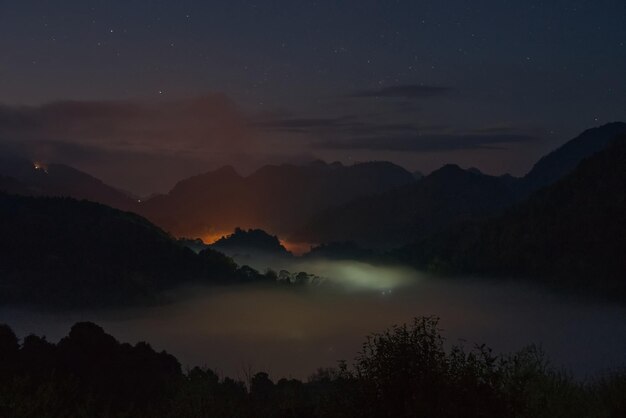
{"points": [[292, 332]]}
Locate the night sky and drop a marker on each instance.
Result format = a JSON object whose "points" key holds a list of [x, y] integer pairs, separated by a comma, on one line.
{"points": [[142, 93]]}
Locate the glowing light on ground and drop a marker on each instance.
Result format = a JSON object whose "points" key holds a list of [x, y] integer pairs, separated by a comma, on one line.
{"points": [[359, 275], [212, 237], [40, 167]]}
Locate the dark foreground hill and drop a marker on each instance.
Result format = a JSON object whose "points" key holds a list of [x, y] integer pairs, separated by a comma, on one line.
{"points": [[572, 233], [404, 372], [59, 251]]}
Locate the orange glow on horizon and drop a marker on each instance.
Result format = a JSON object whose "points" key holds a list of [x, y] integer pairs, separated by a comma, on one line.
{"points": [[213, 237], [296, 248]]}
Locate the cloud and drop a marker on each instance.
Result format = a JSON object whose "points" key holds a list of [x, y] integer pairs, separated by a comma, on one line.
{"points": [[423, 143], [148, 146], [303, 124], [407, 91], [375, 133], [140, 145], [344, 126], [207, 122]]}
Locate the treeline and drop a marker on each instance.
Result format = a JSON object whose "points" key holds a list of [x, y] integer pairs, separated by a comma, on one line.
{"points": [[403, 372], [255, 240]]}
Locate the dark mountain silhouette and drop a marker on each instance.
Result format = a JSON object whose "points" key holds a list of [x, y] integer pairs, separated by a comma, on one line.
{"points": [[196, 244], [13, 186], [60, 251], [375, 204], [446, 196], [572, 233], [275, 198], [418, 175], [39, 179], [564, 159], [250, 241]]}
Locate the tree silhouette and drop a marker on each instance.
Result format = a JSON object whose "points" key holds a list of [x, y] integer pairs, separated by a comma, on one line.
{"points": [[406, 371]]}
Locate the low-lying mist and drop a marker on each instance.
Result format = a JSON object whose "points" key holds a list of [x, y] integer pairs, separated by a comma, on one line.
{"points": [[358, 275], [350, 275], [293, 330]]}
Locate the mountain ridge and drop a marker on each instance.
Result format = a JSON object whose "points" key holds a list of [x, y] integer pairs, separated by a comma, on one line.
{"points": [[445, 197], [571, 233], [276, 198], [60, 180]]}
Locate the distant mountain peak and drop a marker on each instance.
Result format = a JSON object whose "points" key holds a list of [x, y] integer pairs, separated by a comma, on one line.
{"points": [[41, 178], [447, 170]]}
